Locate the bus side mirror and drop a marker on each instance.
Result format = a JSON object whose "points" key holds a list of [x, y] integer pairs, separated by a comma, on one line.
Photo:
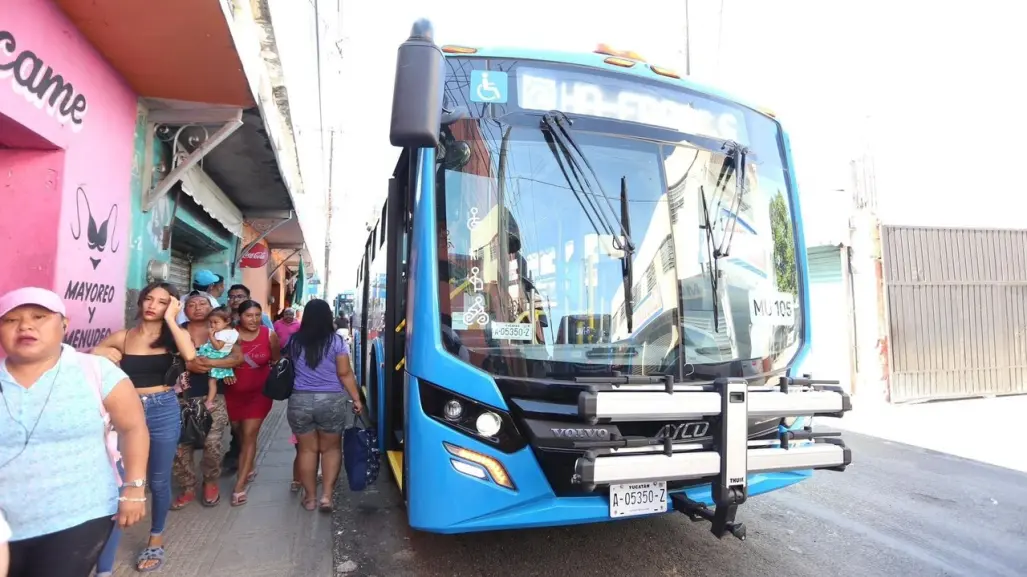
{"points": [[417, 94]]}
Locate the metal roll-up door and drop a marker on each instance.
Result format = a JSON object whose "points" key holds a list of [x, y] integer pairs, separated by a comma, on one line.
{"points": [[829, 315], [181, 271]]}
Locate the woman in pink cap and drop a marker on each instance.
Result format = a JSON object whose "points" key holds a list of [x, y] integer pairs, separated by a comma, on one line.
{"points": [[61, 489]]}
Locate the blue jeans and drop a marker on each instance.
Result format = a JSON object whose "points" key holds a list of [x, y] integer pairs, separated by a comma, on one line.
{"points": [[164, 420]]}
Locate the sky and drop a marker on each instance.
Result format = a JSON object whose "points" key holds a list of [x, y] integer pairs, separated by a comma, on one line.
{"points": [[904, 81]]}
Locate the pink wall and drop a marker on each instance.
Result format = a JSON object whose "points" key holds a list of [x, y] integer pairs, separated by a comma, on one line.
{"points": [[74, 221], [28, 249]]}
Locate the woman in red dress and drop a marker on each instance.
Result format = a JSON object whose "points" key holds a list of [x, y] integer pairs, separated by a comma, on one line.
{"points": [[245, 401]]}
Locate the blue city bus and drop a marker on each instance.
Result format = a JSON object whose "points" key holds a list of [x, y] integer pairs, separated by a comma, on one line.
{"points": [[586, 296], [345, 304]]}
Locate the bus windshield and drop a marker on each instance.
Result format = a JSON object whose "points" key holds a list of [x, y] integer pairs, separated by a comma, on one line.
{"points": [[532, 262]]}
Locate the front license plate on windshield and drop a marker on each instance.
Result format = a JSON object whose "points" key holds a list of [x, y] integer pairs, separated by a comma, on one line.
{"points": [[633, 499]]}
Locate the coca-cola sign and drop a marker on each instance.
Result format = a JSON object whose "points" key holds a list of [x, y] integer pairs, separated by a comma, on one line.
{"points": [[256, 257]]}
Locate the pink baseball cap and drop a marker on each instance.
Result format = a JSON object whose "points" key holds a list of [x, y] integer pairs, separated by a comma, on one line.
{"points": [[32, 296]]}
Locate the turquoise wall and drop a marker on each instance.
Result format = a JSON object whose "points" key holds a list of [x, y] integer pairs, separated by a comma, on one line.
{"points": [[219, 262], [148, 227]]}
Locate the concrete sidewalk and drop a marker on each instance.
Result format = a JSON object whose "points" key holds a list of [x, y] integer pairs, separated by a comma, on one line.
{"points": [[989, 430], [270, 536]]}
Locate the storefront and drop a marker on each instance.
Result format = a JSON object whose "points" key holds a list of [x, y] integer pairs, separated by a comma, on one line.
{"points": [[66, 129], [123, 162], [193, 226], [831, 314]]}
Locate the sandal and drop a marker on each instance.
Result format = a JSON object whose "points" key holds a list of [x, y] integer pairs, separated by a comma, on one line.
{"points": [[183, 500], [309, 504], [295, 487], [326, 505], [150, 554], [211, 496], [238, 498]]}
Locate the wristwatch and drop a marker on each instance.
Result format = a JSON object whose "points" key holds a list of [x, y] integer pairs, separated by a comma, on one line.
{"points": [[137, 483]]}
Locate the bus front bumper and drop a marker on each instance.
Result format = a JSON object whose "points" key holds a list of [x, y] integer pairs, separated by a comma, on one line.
{"points": [[724, 475]]}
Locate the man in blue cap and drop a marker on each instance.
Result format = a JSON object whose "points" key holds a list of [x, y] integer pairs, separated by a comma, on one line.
{"points": [[208, 283]]}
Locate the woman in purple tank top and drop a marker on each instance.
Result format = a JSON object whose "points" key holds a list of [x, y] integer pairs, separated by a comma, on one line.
{"points": [[323, 403]]}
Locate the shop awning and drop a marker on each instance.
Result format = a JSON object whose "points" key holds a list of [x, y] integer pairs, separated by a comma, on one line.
{"points": [[214, 202]]}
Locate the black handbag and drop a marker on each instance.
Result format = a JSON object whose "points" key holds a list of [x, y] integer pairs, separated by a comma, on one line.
{"points": [[196, 422], [174, 372], [279, 383]]}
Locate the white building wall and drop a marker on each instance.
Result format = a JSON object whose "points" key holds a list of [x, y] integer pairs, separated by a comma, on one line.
{"points": [[264, 71], [307, 33]]}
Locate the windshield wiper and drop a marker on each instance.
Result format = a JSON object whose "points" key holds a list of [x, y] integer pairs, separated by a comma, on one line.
{"points": [[627, 272], [713, 256], [559, 153], [735, 163], [557, 135], [737, 155]]}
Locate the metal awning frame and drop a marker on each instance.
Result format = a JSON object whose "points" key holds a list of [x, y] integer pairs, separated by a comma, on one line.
{"points": [[282, 217], [284, 260], [229, 119]]}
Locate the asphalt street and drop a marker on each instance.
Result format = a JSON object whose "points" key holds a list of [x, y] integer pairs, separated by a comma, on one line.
{"points": [[897, 511]]}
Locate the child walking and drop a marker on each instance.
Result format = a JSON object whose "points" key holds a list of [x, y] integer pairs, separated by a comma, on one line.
{"points": [[295, 485], [222, 339]]}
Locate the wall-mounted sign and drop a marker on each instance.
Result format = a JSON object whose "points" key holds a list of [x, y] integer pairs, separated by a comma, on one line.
{"points": [[256, 257], [40, 83]]}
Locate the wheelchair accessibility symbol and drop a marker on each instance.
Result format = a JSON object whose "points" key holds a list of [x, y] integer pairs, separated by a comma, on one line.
{"points": [[489, 86]]}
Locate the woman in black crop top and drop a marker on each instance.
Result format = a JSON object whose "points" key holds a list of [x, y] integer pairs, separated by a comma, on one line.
{"points": [[146, 352]]}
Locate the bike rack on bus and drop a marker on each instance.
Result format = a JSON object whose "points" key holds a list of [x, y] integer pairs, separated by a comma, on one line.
{"points": [[734, 456]]}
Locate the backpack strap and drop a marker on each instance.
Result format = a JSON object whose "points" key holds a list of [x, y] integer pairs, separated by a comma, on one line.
{"points": [[91, 365]]}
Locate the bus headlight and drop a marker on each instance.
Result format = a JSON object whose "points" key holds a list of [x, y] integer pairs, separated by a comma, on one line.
{"points": [[453, 410], [484, 423], [488, 424]]}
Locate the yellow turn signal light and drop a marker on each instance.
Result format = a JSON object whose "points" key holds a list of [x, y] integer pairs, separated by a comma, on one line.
{"points": [[449, 49], [498, 472], [665, 72], [629, 54], [618, 61]]}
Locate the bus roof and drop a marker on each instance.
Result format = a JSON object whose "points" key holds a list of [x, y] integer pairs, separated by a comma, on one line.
{"points": [[595, 60]]}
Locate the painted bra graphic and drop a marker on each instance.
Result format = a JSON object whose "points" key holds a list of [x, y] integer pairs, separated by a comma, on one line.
{"points": [[96, 236]]}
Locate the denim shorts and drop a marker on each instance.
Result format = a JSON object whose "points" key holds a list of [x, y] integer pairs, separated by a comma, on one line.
{"points": [[325, 412]]}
